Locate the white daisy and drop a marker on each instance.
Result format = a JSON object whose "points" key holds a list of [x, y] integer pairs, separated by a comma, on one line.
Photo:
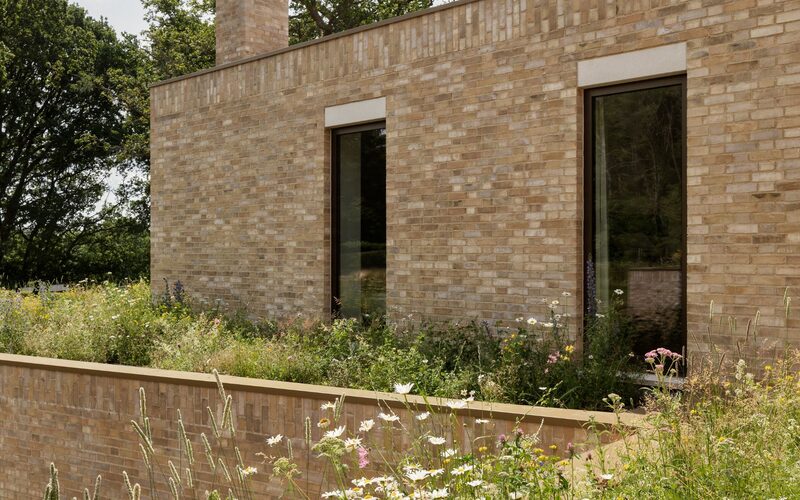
{"points": [[366, 425], [352, 444], [462, 469], [328, 406], [481, 421], [423, 416], [403, 388], [416, 474], [457, 404], [388, 418], [335, 433], [532, 321], [476, 482], [450, 452], [436, 441], [272, 441], [334, 494]]}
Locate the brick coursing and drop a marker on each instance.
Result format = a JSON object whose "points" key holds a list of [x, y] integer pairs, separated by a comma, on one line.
{"points": [[484, 161], [246, 28], [80, 420]]}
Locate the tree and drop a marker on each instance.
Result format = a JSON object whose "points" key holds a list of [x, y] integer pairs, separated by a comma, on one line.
{"points": [[74, 109], [62, 128], [312, 19]]}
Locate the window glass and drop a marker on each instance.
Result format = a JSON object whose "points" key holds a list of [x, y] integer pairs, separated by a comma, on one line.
{"points": [[360, 277], [638, 210]]}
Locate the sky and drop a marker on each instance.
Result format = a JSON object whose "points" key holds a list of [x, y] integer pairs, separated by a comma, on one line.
{"points": [[122, 15]]}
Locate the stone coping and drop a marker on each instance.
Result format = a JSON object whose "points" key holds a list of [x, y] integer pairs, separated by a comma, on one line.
{"points": [[297, 46], [550, 416]]}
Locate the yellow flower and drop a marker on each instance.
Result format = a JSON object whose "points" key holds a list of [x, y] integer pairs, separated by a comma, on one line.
{"points": [[570, 349], [563, 463], [538, 451], [553, 447], [482, 449]]}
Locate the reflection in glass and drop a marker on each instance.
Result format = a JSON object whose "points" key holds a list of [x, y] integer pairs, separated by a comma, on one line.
{"points": [[361, 273], [638, 210]]}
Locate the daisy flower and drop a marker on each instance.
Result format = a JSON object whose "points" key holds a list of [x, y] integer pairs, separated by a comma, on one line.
{"points": [[403, 388], [335, 433]]}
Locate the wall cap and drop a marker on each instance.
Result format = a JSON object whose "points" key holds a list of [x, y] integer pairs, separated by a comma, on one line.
{"points": [[552, 416]]}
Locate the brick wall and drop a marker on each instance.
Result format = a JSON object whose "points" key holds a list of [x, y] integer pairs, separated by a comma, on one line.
{"points": [[77, 415], [245, 28], [484, 160]]}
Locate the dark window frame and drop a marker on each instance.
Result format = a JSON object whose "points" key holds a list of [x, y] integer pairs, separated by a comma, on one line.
{"points": [[334, 200], [589, 179]]}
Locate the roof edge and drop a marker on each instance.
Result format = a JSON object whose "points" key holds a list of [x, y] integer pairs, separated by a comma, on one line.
{"points": [[297, 46]]}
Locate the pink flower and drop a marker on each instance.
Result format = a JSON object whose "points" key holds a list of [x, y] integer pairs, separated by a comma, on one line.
{"points": [[363, 459], [552, 358]]}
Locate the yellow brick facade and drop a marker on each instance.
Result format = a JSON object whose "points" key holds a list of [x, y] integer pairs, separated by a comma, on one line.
{"points": [[484, 160]]}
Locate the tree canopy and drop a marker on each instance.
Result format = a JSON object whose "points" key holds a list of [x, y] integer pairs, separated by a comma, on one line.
{"points": [[62, 131], [74, 113], [310, 19]]}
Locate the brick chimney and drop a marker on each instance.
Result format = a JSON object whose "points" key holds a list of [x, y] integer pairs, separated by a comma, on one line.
{"points": [[246, 28]]}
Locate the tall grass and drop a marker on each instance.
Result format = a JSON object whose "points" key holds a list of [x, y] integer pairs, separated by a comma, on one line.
{"points": [[530, 361]]}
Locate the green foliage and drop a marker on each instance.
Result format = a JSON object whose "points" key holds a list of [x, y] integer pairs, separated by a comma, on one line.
{"points": [[74, 102], [180, 36], [726, 435], [312, 19], [120, 324], [542, 365], [53, 490], [63, 128]]}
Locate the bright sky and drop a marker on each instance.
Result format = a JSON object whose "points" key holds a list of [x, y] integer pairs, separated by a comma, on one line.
{"points": [[122, 15]]}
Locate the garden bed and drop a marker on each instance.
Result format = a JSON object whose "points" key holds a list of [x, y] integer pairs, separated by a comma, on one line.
{"points": [[530, 361]]}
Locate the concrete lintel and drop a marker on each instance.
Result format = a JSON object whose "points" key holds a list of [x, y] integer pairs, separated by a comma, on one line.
{"points": [[631, 66]]}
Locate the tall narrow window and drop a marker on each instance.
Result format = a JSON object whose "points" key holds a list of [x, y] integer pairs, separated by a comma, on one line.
{"points": [[635, 218], [359, 211]]}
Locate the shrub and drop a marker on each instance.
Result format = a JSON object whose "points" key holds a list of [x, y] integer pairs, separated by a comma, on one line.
{"points": [[725, 435], [521, 363]]}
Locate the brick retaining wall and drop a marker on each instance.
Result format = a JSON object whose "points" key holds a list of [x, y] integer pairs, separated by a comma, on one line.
{"points": [[77, 415]]}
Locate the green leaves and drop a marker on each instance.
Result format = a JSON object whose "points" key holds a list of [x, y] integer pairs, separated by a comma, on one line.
{"points": [[310, 19], [62, 128]]}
